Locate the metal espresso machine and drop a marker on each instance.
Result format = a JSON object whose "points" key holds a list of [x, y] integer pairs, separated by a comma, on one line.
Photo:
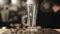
{"points": [[28, 20], [28, 27]]}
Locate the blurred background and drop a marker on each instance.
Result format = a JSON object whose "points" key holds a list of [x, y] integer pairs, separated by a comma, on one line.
{"points": [[13, 12]]}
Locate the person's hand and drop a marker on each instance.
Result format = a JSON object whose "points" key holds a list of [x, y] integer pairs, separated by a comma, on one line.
{"points": [[55, 8]]}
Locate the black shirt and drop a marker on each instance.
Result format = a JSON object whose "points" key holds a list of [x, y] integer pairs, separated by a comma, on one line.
{"points": [[48, 20]]}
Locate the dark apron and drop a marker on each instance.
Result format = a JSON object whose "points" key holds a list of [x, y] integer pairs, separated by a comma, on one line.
{"points": [[48, 20]]}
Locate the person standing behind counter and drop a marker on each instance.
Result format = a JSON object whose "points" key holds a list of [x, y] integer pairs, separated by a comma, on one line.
{"points": [[49, 18]]}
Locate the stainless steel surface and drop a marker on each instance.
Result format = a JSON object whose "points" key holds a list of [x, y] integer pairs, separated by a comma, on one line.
{"points": [[31, 13], [5, 13], [31, 17], [3, 2]]}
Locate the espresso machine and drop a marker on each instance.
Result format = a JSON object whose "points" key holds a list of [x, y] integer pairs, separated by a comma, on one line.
{"points": [[31, 15]]}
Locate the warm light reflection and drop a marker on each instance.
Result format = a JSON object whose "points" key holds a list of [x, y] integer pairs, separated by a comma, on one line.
{"points": [[13, 1], [2, 2]]}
